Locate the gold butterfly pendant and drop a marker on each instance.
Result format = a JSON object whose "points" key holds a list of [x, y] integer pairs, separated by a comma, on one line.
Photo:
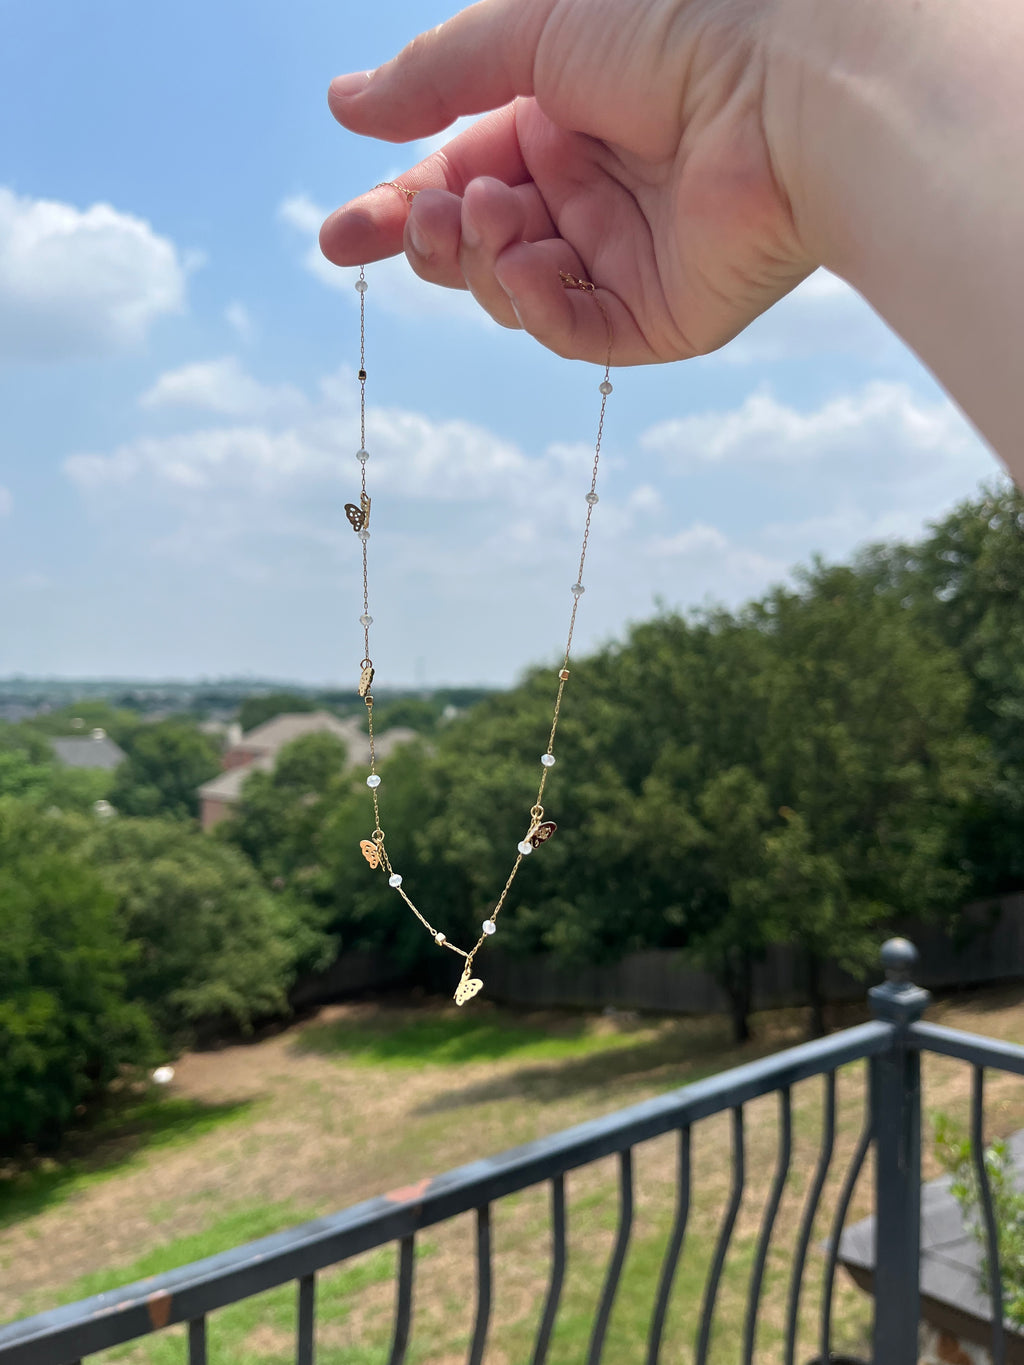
{"points": [[365, 680], [370, 851], [542, 833], [468, 987], [359, 517]]}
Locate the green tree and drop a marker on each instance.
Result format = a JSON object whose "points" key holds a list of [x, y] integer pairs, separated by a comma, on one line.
{"points": [[865, 738], [66, 1025], [954, 1150], [214, 948], [277, 820], [30, 771], [167, 762], [965, 582]]}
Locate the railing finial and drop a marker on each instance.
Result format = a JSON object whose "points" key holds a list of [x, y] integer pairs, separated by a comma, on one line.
{"points": [[898, 999], [899, 958]]}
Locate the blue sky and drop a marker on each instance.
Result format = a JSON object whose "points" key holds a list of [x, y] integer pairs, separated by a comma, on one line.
{"points": [[179, 406]]}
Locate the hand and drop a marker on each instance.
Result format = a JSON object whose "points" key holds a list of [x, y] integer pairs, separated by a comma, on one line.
{"points": [[628, 147]]}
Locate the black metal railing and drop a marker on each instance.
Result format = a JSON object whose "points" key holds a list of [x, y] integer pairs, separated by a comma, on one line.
{"points": [[892, 1044]]}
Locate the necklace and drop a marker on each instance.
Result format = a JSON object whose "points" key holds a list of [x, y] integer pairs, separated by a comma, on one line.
{"points": [[539, 830]]}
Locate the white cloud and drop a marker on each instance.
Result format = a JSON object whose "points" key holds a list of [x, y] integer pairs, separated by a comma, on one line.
{"points": [[882, 421], [396, 289], [221, 386], [872, 464], [239, 319], [80, 282], [267, 469], [6, 501]]}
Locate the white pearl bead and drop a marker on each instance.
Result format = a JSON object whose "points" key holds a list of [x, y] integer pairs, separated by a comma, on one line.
{"points": [[548, 760], [395, 880], [373, 781], [525, 847], [440, 938], [593, 499], [577, 590], [365, 620], [362, 456], [488, 926], [364, 536], [604, 387], [362, 286]]}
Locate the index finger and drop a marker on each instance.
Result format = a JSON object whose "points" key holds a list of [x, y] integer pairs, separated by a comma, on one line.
{"points": [[370, 227]]}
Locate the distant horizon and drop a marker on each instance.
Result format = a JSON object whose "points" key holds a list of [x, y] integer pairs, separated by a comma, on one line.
{"points": [[240, 681]]}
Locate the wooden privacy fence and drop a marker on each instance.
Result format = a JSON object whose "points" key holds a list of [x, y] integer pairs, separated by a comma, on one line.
{"points": [[988, 946]]}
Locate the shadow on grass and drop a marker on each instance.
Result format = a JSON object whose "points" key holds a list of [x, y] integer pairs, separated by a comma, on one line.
{"points": [[128, 1125], [675, 1057], [555, 1055]]}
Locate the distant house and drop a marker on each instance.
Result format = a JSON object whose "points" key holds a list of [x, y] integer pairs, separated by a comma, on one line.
{"points": [[257, 751], [95, 750]]}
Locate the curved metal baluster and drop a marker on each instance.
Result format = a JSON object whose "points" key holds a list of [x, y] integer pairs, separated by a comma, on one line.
{"points": [[768, 1221], [403, 1306], [672, 1251], [611, 1282], [558, 1258], [306, 1312], [483, 1285], [828, 1138], [995, 1272], [838, 1221], [725, 1236]]}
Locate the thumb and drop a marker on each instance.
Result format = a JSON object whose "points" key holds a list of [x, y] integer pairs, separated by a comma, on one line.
{"points": [[481, 59]]}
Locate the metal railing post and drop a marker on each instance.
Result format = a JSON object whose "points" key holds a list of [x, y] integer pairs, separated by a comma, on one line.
{"points": [[896, 1119]]}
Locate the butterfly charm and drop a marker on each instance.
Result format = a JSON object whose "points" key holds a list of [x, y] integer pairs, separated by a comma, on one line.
{"points": [[542, 833], [468, 987], [365, 680], [359, 517], [370, 851]]}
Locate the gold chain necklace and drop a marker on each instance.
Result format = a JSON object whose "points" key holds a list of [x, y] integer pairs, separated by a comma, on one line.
{"points": [[539, 830]]}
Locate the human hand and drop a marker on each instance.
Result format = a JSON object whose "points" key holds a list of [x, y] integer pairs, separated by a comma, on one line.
{"points": [[628, 146]]}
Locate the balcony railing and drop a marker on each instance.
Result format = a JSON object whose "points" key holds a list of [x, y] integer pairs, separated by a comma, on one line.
{"points": [[891, 1044]]}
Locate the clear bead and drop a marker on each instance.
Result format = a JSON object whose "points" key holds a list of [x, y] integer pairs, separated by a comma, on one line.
{"points": [[440, 938], [362, 456], [488, 926], [362, 286], [395, 880], [365, 620], [364, 536], [604, 387], [577, 590], [593, 499], [373, 781], [525, 847], [548, 760]]}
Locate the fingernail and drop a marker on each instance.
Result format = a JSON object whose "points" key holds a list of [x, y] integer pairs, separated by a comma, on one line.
{"points": [[344, 86], [416, 241], [470, 235]]}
